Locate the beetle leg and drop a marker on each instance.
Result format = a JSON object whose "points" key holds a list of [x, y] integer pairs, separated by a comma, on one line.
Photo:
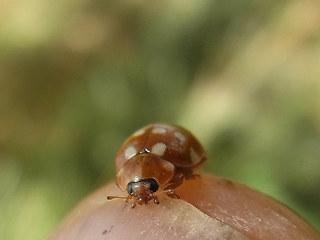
{"points": [[171, 193], [155, 199]]}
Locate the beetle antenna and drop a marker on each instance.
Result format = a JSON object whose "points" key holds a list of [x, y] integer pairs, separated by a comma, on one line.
{"points": [[113, 197]]}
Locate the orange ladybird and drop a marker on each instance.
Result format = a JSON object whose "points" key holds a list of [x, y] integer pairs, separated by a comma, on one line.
{"points": [[156, 157]]}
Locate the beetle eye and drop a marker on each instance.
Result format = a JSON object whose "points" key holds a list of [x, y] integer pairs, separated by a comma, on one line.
{"points": [[130, 188], [152, 184]]}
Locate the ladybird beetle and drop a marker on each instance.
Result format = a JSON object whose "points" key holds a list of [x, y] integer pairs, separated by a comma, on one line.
{"points": [[156, 157]]}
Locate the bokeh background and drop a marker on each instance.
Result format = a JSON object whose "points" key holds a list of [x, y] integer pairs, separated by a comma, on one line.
{"points": [[78, 76]]}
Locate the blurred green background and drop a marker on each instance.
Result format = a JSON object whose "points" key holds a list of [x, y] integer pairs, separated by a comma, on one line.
{"points": [[77, 77]]}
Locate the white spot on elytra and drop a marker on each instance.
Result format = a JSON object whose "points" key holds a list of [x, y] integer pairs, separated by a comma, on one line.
{"points": [[159, 149], [139, 132], [194, 156], [181, 137], [158, 130], [130, 152]]}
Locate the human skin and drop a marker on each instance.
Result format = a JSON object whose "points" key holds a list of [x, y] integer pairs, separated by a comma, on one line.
{"points": [[210, 207]]}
